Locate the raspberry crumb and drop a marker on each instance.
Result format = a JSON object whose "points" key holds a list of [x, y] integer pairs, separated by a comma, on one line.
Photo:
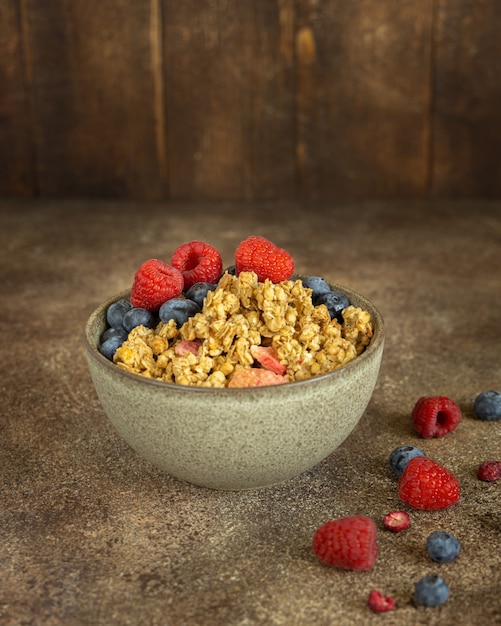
{"points": [[489, 471], [396, 521], [380, 603]]}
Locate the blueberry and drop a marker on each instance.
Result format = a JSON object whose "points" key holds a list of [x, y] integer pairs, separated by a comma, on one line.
{"points": [[335, 303], [138, 317], [401, 456], [179, 310], [116, 311], [231, 269], [112, 332], [442, 547], [487, 405], [317, 284], [198, 291], [431, 590], [110, 346]]}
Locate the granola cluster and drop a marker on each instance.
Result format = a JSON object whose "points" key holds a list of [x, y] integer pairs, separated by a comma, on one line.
{"points": [[243, 312]]}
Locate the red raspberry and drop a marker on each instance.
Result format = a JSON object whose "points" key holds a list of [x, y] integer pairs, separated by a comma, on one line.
{"points": [[349, 542], [435, 416], [259, 255], [396, 521], [380, 603], [489, 471], [198, 262], [154, 283], [427, 485]]}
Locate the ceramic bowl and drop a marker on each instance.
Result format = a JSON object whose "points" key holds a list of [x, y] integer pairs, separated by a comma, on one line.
{"points": [[235, 439]]}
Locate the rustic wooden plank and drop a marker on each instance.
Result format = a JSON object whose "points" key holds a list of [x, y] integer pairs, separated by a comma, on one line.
{"points": [[96, 84], [363, 97], [229, 98], [16, 148], [467, 128]]}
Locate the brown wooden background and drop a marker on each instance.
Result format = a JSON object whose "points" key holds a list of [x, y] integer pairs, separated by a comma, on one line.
{"points": [[250, 99]]}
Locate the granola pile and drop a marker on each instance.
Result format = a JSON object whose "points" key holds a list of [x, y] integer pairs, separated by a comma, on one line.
{"points": [[240, 313]]}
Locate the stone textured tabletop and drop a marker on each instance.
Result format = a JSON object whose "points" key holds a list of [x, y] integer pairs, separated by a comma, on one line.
{"points": [[90, 534]]}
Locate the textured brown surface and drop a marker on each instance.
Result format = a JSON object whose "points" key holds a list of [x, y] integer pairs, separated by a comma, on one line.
{"points": [[93, 535]]}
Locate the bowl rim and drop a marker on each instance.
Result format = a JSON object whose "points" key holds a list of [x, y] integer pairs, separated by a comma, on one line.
{"points": [[377, 341]]}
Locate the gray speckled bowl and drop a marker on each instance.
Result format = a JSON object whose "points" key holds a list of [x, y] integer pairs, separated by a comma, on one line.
{"points": [[235, 438]]}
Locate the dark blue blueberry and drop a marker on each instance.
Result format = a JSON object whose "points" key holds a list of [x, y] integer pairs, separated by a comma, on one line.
{"points": [[431, 590], [487, 405], [335, 303], [442, 547], [230, 270], [179, 310], [116, 311], [317, 284], [198, 291], [110, 346], [138, 317], [399, 458], [112, 332]]}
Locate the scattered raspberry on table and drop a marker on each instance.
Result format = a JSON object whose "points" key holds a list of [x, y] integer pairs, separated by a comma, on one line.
{"points": [[427, 485], [348, 543], [490, 471], [435, 416]]}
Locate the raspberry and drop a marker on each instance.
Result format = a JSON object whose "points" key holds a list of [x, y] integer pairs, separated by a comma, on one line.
{"points": [[380, 603], [396, 521], [348, 542], [268, 358], [154, 283], [256, 377], [427, 485], [261, 256], [489, 471], [198, 262], [435, 416]]}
